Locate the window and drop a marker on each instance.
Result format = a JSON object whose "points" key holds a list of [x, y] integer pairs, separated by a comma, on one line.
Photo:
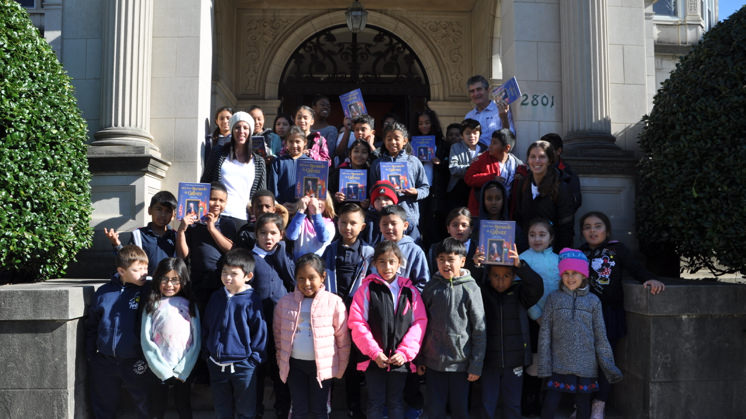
{"points": [[29, 4], [666, 7]]}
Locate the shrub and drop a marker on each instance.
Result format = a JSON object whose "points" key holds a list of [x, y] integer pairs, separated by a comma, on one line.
{"points": [[691, 194], [45, 202]]}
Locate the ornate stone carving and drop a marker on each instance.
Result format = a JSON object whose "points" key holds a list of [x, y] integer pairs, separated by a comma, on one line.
{"points": [[260, 36]]}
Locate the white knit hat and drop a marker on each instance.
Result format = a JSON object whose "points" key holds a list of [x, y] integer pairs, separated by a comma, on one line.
{"points": [[242, 116]]}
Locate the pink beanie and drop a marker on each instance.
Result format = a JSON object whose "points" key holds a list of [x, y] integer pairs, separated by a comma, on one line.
{"points": [[574, 260]]}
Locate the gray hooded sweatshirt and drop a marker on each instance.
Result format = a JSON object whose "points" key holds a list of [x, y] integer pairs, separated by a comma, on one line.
{"points": [[456, 338]]}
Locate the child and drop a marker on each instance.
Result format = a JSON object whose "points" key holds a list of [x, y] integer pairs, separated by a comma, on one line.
{"points": [[388, 322], [358, 158], [204, 243], [316, 146], [311, 336], [282, 179], [281, 126], [572, 339], [170, 336], [382, 194], [263, 202], [433, 208], [462, 155], [541, 257], [321, 109], [454, 346], [608, 259], [508, 342], [497, 164], [234, 338], [157, 239], [347, 262], [222, 133], [270, 247], [459, 226], [272, 141], [115, 359], [363, 128], [396, 141], [492, 206], [393, 224], [453, 133], [311, 232]]}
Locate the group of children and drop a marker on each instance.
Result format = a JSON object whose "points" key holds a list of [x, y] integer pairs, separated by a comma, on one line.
{"points": [[340, 290]]}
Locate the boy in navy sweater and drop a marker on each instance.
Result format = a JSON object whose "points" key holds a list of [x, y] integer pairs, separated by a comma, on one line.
{"points": [[234, 338], [204, 242], [269, 246], [157, 239], [115, 358]]}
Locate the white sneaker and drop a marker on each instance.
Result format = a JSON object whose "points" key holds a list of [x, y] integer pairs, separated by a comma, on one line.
{"points": [[573, 414], [597, 409]]}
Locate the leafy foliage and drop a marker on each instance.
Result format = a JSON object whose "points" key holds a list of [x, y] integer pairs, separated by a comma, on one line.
{"points": [[692, 192], [45, 202]]}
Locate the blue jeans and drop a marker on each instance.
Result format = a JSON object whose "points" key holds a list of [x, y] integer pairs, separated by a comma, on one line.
{"points": [[108, 375], [446, 387], [501, 383], [233, 391], [308, 398], [385, 389]]}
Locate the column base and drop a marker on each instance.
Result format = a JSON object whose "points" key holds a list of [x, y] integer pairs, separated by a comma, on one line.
{"points": [[134, 138], [596, 154]]}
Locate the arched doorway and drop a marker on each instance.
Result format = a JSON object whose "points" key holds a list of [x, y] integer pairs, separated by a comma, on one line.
{"points": [[335, 61]]}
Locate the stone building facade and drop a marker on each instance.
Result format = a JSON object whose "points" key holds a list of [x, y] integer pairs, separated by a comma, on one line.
{"points": [[149, 74]]}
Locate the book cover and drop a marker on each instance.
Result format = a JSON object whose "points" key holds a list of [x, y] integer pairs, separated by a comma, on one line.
{"points": [[396, 173], [311, 178], [353, 104], [496, 238], [194, 200], [507, 92], [424, 147], [353, 183], [258, 145]]}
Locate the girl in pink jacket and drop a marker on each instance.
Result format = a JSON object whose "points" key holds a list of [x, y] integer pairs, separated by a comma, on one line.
{"points": [[313, 345], [388, 322]]}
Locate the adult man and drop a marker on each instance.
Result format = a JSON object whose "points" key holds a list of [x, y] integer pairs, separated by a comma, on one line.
{"points": [[491, 116]]}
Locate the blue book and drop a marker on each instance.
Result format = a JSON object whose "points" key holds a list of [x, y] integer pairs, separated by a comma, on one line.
{"points": [[194, 200], [508, 92], [258, 145], [353, 104], [353, 183], [396, 173], [496, 238], [424, 147], [311, 178]]}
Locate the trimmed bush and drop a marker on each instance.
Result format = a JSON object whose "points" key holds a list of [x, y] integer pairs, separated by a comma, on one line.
{"points": [[692, 192], [45, 200]]}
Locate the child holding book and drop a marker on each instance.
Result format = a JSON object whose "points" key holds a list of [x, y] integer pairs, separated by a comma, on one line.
{"points": [[498, 163], [358, 158], [284, 169], [388, 322], [170, 336], [433, 208], [313, 345], [312, 228], [455, 342], [459, 226], [205, 243], [572, 339], [397, 149], [234, 338], [508, 343], [316, 146]]}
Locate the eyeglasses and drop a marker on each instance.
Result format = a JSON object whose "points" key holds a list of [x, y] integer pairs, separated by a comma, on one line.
{"points": [[171, 281]]}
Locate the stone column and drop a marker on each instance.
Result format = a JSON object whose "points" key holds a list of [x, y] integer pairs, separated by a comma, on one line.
{"points": [[585, 71], [125, 93]]}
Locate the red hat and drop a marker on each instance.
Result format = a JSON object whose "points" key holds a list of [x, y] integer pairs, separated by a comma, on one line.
{"points": [[385, 188]]}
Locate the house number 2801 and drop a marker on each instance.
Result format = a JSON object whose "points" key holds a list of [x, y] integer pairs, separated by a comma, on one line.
{"points": [[537, 100]]}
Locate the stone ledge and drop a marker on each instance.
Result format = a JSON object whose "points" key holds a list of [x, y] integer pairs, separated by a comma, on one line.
{"points": [[686, 297], [58, 299]]}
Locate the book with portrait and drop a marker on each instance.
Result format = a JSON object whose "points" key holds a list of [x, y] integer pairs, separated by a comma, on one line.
{"points": [[353, 104], [258, 145], [496, 238], [353, 184], [193, 200], [311, 178], [424, 147], [396, 173], [507, 92]]}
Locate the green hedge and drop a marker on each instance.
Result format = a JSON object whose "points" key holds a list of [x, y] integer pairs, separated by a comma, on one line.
{"points": [[45, 202], [692, 192]]}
